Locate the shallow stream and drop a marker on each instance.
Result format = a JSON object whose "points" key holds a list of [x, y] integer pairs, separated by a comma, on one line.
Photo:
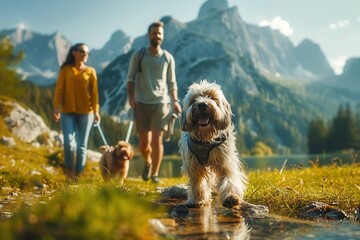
{"points": [[216, 222]]}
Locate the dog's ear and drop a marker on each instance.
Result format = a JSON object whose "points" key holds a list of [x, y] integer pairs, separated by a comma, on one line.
{"points": [[185, 126], [103, 148], [226, 121], [121, 144]]}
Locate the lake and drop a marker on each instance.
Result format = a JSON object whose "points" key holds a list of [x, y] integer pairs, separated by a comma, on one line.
{"points": [[171, 166]]}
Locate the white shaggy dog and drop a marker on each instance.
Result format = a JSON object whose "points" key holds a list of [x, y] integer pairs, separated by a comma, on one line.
{"points": [[208, 148]]}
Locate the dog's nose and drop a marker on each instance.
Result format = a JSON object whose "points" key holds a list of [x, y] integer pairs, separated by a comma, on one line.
{"points": [[202, 106]]}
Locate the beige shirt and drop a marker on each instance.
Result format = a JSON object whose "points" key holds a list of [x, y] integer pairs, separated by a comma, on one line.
{"points": [[157, 77]]}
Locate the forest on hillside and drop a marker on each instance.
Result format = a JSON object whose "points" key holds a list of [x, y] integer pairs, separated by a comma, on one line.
{"points": [[343, 132]]}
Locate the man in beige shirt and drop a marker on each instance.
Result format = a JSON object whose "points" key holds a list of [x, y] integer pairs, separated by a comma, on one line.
{"points": [[152, 89]]}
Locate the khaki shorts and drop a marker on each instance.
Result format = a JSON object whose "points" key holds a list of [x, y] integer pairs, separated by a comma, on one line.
{"points": [[151, 116]]}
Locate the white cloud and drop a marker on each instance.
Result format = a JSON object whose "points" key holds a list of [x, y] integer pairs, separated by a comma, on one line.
{"points": [[339, 24], [359, 19], [338, 64], [279, 24]]}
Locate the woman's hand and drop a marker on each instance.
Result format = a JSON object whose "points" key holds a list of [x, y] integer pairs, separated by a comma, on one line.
{"points": [[96, 117], [56, 115]]}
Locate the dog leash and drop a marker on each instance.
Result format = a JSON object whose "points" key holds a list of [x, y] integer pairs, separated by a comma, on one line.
{"points": [[131, 123], [171, 124], [101, 132], [127, 134], [129, 131]]}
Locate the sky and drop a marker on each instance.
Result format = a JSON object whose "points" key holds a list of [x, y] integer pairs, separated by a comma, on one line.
{"points": [[333, 24]]}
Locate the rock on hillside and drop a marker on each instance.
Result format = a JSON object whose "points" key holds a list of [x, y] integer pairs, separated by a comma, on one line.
{"points": [[27, 125]]}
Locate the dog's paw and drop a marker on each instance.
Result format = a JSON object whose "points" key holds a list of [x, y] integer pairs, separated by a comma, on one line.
{"points": [[197, 204], [231, 201]]}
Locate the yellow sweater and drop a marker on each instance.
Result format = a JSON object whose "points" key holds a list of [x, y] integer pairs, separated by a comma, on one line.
{"points": [[76, 91]]}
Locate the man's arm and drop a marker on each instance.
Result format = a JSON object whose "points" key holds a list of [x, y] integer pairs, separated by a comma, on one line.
{"points": [[175, 101], [130, 93]]}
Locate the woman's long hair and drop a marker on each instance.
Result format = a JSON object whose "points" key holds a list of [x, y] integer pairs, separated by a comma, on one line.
{"points": [[70, 59]]}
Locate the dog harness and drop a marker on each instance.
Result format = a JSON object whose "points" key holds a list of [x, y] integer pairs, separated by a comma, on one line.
{"points": [[201, 150]]}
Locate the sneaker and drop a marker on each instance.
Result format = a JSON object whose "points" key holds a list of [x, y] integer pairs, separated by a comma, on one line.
{"points": [[146, 172], [155, 179]]}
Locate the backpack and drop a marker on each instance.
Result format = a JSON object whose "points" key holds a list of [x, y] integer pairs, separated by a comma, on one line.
{"points": [[142, 52]]}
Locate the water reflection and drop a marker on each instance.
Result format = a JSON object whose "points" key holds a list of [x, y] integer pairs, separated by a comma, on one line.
{"points": [[210, 223], [215, 222]]}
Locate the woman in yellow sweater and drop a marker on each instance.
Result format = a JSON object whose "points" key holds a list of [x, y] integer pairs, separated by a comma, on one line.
{"points": [[76, 105]]}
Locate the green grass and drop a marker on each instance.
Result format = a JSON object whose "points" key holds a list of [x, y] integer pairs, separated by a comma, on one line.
{"points": [[92, 209], [84, 211], [290, 190]]}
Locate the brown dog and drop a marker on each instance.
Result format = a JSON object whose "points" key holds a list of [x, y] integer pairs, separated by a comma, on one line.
{"points": [[115, 160]]}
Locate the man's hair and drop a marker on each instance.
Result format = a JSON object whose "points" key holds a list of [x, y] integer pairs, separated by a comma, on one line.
{"points": [[155, 24]]}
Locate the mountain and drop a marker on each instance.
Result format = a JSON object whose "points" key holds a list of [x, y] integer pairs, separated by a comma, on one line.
{"points": [[272, 53], [351, 73], [43, 54], [118, 44], [312, 58], [219, 46], [263, 75], [348, 81]]}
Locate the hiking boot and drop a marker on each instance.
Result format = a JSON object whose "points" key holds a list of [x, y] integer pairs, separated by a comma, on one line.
{"points": [[146, 172], [155, 179]]}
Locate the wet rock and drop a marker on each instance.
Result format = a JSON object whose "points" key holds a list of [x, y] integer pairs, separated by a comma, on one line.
{"points": [[49, 169], [39, 185], [7, 214], [8, 141], [249, 210], [168, 222], [177, 192], [35, 173], [7, 189], [322, 210], [180, 211], [357, 213], [158, 226], [14, 194]]}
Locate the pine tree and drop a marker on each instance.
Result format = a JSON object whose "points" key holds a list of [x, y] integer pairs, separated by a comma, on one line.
{"points": [[343, 130], [357, 127], [9, 80], [317, 136]]}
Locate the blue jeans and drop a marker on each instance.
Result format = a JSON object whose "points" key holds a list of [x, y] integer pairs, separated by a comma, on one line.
{"points": [[76, 130]]}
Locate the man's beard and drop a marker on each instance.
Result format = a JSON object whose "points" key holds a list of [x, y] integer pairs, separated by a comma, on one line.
{"points": [[155, 42]]}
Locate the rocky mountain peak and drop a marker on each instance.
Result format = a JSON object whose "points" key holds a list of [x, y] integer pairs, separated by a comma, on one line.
{"points": [[212, 6], [20, 34], [311, 57], [116, 40], [352, 67]]}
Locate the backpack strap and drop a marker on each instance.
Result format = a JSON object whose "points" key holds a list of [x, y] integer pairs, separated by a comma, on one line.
{"points": [[141, 56]]}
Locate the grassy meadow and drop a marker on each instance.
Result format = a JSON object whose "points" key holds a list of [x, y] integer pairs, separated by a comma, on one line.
{"points": [[36, 201]]}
